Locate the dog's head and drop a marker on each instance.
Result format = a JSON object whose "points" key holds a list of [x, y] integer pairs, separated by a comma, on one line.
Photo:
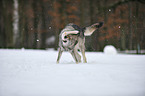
{"points": [[67, 36], [88, 31]]}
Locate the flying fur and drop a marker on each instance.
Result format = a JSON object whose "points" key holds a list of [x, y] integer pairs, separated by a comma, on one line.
{"points": [[72, 38]]}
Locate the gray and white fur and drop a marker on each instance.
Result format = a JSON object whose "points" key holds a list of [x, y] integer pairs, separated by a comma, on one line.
{"points": [[72, 39]]}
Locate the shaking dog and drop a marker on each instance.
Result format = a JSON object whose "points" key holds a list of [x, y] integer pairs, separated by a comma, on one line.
{"points": [[72, 39]]}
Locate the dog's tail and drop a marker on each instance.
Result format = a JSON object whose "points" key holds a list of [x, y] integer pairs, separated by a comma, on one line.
{"points": [[88, 31]]}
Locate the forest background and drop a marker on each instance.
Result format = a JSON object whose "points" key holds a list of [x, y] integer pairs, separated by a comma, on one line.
{"points": [[36, 24]]}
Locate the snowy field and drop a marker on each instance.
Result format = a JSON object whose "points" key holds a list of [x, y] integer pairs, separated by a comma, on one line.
{"points": [[35, 73]]}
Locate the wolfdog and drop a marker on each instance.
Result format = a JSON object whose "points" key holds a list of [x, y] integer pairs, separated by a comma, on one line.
{"points": [[72, 39]]}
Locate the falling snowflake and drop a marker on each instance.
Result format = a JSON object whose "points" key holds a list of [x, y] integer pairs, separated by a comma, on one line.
{"points": [[109, 9], [37, 40], [49, 27]]}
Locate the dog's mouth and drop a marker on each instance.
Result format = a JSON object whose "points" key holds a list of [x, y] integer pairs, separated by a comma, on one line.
{"points": [[64, 41]]}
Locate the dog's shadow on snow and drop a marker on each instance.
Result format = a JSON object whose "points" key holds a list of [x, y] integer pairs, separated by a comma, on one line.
{"points": [[72, 62]]}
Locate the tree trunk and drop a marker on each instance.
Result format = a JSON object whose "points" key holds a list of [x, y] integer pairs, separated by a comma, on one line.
{"points": [[36, 20], [123, 35], [16, 33], [137, 34], [105, 20], [2, 26], [130, 25]]}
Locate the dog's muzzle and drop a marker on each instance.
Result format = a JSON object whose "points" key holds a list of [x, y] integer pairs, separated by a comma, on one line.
{"points": [[64, 41]]}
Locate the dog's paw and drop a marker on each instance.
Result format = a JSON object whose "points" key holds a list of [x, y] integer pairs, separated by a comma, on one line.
{"points": [[85, 61], [57, 62]]}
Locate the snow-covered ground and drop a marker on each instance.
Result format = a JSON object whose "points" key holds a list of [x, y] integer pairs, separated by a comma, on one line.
{"points": [[35, 73]]}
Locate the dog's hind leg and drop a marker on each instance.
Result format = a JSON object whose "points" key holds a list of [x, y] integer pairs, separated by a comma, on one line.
{"points": [[77, 54], [78, 57], [73, 53], [59, 55]]}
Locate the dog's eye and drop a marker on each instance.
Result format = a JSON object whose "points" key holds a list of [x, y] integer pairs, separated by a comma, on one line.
{"points": [[65, 37]]}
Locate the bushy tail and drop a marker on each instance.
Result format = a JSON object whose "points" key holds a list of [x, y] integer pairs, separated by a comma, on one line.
{"points": [[88, 31]]}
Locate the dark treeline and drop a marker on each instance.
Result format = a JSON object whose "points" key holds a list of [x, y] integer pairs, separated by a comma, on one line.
{"points": [[37, 23]]}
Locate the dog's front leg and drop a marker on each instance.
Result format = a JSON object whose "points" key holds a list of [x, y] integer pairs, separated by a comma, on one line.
{"points": [[83, 53], [74, 56], [84, 57], [59, 55]]}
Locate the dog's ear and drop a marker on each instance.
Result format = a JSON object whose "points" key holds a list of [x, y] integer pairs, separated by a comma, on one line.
{"points": [[89, 30]]}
